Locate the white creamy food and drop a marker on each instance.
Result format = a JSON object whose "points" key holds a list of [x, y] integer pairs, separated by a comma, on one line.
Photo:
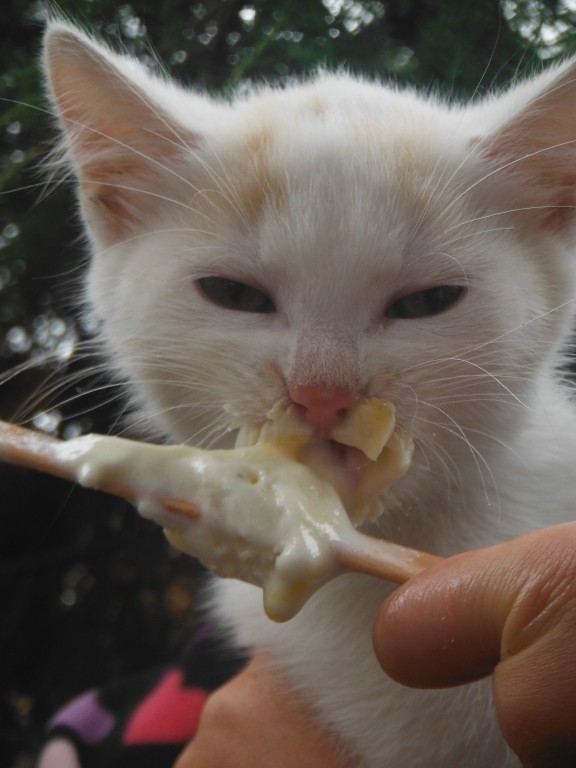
{"points": [[376, 455], [267, 513]]}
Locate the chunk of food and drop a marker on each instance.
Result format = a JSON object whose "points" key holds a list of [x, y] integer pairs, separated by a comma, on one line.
{"points": [[364, 458], [262, 517], [268, 513], [367, 426]]}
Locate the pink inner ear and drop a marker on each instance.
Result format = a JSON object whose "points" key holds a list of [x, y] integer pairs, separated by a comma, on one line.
{"points": [[536, 152], [126, 148], [112, 202], [123, 178], [107, 204], [562, 214], [541, 190]]}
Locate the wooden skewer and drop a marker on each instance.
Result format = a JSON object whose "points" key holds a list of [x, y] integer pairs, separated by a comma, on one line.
{"points": [[381, 558], [362, 554], [36, 450], [32, 450]]}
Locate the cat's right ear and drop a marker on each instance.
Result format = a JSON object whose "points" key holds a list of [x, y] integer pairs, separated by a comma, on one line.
{"points": [[125, 148], [534, 152]]}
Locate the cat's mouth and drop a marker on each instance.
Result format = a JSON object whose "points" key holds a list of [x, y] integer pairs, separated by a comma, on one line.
{"points": [[363, 457]]}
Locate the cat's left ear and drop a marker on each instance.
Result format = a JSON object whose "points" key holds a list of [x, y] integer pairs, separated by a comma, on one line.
{"points": [[534, 154], [122, 141]]}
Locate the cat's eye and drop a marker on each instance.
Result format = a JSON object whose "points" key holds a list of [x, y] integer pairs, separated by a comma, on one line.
{"points": [[431, 301], [231, 294]]}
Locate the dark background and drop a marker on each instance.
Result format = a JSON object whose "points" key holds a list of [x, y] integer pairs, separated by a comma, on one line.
{"points": [[88, 591]]}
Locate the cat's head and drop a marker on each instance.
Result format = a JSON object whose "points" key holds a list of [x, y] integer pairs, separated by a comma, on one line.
{"points": [[324, 242]]}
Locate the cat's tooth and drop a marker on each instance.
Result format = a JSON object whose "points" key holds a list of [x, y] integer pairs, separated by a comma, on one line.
{"points": [[380, 475], [285, 422], [368, 426], [283, 426], [248, 435]]}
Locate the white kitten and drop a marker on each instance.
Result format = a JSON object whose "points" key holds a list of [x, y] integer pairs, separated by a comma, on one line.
{"points": [[343, 236]]}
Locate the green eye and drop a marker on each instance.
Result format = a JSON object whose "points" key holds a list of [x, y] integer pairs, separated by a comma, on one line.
{"points": [[230, 294], [426, 303]]}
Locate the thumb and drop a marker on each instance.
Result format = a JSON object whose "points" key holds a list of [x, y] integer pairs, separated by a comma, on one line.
{"points": [[510, 610]]}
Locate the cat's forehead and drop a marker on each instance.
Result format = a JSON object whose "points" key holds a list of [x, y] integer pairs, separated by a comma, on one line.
{"points": [[314, 170], [340, 139], [335, 175]]}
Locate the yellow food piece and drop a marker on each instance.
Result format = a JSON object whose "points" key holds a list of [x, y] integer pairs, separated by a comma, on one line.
{"points": [[367, 426], [392, 464]]}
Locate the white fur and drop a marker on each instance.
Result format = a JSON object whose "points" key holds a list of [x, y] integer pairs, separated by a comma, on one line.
{"points": [[335, 197]]}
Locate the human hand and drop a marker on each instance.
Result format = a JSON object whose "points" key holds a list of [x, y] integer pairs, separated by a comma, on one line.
{"points": [[509, 610], [256, 720]]}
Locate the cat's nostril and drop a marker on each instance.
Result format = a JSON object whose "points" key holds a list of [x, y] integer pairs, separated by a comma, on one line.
{"points": [[324, 408]]}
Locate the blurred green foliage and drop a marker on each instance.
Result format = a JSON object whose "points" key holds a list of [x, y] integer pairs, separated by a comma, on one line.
{"points": [[77, 584]]}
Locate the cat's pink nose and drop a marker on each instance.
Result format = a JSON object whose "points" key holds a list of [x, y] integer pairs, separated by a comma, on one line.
{"points": [[323, 408]]}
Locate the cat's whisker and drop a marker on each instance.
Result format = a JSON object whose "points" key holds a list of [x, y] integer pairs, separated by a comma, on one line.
{"points": [[489, 375], [454, 241], [59, 158], [26, 187], [475, 400], [443, 182], [458, 431], [26, 411], [500, 213], [507, 446], [225, 190], [523, 325], [225, 187], [149, 194], [49, 399], [507, 165], [433, 453], [76, 127], [159, 232], [222, 179]]}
